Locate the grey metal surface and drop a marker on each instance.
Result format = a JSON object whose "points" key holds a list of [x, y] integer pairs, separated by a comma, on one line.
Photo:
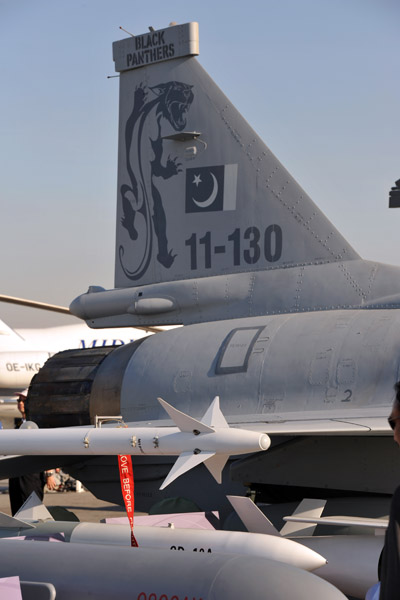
{"points": [[355, 284], [179, 95], [350, 464], [311, 373], [269, 366]]}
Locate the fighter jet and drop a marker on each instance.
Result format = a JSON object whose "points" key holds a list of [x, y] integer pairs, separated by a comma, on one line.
{"points": [[297, 334]]}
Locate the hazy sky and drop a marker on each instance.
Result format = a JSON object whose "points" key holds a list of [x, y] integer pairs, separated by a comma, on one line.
{"points": [[317, 79]]}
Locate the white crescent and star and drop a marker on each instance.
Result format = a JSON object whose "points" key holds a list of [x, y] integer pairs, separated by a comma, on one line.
{"points": [[197, 180], [208, 201]]}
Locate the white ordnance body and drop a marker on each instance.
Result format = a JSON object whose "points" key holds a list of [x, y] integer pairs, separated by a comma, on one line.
{"points": [[352, 560], [202, 541], [168, 441], [96, 571]]}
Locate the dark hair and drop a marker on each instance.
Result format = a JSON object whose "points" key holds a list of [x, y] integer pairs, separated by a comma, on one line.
{"points": [[397, 397]]}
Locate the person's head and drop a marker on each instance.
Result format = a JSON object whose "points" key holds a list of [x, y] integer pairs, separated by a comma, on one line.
{"points": [[21, 397], [394, 418]]}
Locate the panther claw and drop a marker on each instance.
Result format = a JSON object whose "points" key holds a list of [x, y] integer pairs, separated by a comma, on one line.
{"points": [[166, 259]]}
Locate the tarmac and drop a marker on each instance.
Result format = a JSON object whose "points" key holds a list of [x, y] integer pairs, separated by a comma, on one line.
{"points": [[83, 504]]}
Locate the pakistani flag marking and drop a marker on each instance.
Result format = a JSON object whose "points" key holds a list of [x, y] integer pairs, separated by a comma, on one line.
{"points": [[211, 189]]}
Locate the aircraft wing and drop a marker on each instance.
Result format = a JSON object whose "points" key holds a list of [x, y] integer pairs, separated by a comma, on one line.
{"points": [[363, 421], [355, 422]]}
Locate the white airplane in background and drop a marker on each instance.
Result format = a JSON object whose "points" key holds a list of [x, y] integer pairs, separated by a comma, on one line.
{"points": [[24, 351]]}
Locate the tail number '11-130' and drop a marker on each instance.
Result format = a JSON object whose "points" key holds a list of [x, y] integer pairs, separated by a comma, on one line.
{"points": [[249, 247]]}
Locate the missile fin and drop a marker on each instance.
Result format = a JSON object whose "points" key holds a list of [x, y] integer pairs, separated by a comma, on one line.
{"points": [[7, 522], [183, 421], [33, 510], [185, 462], [215, 464], [213, 415], [251, 516]]}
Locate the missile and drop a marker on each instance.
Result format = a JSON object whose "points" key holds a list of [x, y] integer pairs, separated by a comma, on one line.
{"points": [[202, 541], [210, 441], [33, 520], [351, 559], [169, 538], [97, 572]]}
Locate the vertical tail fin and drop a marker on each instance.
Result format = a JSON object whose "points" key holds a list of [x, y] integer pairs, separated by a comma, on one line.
{"points": [[9, 339], [199, 193]]}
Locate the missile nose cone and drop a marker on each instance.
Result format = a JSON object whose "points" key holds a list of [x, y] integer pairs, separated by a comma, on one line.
{"points": [[265, 441]]}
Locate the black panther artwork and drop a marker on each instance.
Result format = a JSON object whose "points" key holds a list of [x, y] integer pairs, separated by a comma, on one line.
{"points": [[142, 207]]}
